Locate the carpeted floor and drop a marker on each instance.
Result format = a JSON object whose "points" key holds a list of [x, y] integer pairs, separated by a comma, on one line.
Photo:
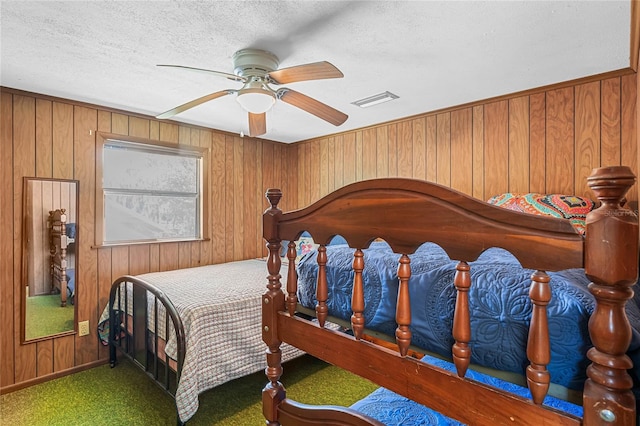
{"points": [[125, 396], [45, 316]]}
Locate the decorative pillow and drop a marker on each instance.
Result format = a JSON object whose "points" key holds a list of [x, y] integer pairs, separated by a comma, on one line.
{"points": [[305, 245], [570, 207]]}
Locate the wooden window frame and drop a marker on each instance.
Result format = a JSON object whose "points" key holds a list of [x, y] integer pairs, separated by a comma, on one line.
{"points": [[204, 153]]}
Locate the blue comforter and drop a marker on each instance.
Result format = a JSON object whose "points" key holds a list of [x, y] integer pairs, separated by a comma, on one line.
{"points": [[499, 303]]}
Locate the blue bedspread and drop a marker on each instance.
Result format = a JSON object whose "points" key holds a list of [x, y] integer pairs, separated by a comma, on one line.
{"points": [[498, 298], [393, 409]]}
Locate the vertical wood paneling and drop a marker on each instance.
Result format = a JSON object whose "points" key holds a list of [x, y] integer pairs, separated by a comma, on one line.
{"points": [[229, 198], [369, 153], [44, 351], [419, 148], [184, 255], [610, 122], [260, 187], [431, 149], [359, 155], [104, 278], [86, 347], [382, 152], [496, 152], [24, 165], [63, 353], [349, 158], [323, 176], [139, 259], [44, 138], [405, 149], [120, 124], [519, 144], [537, 143], [7, 314], [392, 149], [478, 152], [443, 148], [629, 133], [218, 194], [139, 127], [168, 257], [291, 168], [238, 198], [206, 254], [250, 201], [587, 130], [560, 141], [462, 151], [338, 157], [331, 165], [63, 162]]}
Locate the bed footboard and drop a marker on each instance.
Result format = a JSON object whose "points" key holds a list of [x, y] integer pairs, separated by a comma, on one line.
{"points": [[136, 331]]}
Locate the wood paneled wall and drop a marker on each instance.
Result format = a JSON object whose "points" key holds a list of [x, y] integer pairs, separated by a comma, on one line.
{"points": [[54, 138], [546, 141]]}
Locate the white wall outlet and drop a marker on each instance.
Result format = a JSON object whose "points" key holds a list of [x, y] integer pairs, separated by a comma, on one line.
{"points": [[83, 328]]}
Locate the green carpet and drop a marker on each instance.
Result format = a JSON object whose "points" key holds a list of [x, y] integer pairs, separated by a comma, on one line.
{"points": [[45, 316], [125, 396]]}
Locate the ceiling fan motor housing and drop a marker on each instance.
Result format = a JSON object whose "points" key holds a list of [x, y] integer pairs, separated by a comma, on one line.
{"points": [[254, 62]]}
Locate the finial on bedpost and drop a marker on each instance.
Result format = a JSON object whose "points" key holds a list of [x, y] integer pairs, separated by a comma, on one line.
{"points": [[272, 303], [611, 263], [273, 195]]}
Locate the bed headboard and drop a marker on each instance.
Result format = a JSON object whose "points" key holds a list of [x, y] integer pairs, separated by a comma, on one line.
{"points": [[406, 213]]}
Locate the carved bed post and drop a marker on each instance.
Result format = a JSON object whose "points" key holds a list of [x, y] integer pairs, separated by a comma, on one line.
{"points": [[272, 303], [611, 263]]}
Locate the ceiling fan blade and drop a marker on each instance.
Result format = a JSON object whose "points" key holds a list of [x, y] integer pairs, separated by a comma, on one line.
{"points": [[193, 103], [314, 71], [257, 124], [312, 106], [218, 73]]}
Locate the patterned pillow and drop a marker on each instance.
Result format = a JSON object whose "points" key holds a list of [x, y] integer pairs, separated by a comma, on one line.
{"points": [[570, 207]]}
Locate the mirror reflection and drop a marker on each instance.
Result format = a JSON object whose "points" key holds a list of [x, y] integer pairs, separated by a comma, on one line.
{"points": [[49, 261]]}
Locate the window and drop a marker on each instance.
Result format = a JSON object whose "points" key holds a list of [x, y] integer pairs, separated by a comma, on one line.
{"points": [[148, 192]]}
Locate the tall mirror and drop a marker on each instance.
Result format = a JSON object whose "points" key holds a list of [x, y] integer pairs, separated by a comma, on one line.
{"points": [[50, 235]]}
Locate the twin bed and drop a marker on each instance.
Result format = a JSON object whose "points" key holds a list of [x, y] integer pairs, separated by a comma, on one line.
{"points": [[464, 337], [442, 285]]}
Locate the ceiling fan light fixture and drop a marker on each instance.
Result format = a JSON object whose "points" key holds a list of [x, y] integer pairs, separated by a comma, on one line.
{"points": [[256, 102], [254, 97]]}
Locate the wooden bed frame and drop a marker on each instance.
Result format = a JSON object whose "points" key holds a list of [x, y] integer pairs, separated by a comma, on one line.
{"points": [[406, 213], [59, 244]]}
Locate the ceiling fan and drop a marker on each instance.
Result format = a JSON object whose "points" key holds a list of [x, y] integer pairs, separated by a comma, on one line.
{"points": [[257, 70]]}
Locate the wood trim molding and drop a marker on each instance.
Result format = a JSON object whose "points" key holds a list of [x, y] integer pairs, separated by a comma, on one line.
{"points": [[635, 34], [48, 377]]}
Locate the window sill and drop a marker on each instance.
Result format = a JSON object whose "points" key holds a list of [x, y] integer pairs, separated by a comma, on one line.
{"points": [[139, 243]]}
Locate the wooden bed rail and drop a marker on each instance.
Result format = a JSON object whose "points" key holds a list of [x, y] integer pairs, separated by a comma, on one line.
{"points": [[406, 213]]}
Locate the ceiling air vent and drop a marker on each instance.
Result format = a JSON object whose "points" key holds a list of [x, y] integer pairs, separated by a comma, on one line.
{"points": [[375, 99]]}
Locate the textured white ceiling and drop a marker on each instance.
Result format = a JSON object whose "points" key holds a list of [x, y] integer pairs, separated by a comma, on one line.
{"points": [[432, 54]]}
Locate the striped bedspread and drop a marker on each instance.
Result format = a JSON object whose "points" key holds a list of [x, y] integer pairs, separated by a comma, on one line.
{"points": [[220, 307]]}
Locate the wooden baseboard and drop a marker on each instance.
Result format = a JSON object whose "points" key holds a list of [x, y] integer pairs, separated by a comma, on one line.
{"points": [[56, 375]]}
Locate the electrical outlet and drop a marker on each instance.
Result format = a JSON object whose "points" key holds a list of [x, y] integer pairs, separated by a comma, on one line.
{"points": [[83, 328]]}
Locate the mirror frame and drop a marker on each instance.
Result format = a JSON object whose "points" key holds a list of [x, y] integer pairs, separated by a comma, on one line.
{"points": [[25, 257]]}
